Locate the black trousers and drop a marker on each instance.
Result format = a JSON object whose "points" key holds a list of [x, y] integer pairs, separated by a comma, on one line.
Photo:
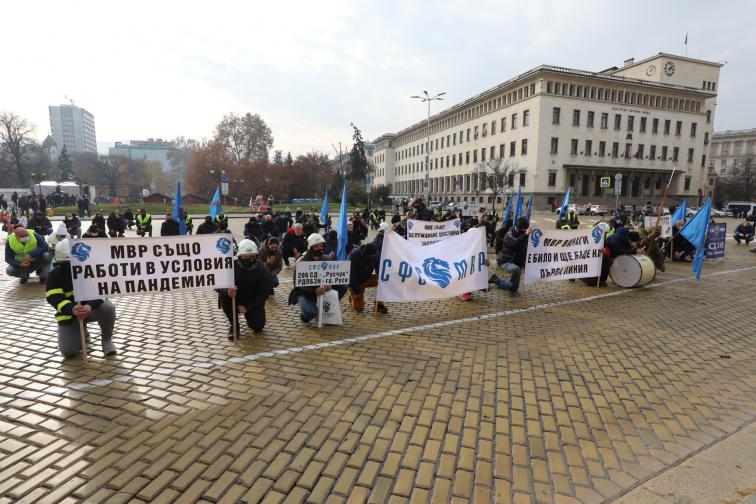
{"points": [[255, 319]]}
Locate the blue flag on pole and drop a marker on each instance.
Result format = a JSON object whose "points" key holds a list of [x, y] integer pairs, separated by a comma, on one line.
{"points": [[324, 210], [518, 205], [565, 202], [215, 204], [695, 232], [680, 212], [530, 207], [341, 253], [177, 210], [508, 210]]}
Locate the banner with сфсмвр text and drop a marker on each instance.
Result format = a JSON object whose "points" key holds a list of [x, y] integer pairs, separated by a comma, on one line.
{"points": [[112, 267], [555, 254]]}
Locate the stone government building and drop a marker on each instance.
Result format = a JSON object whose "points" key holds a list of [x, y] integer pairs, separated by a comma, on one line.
{"points": [[559, 127]]}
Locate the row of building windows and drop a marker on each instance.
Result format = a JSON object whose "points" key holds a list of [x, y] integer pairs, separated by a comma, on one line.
{"points": [[622, 96], [723, 148], [556, 116], [459, 159], [628, 151]]}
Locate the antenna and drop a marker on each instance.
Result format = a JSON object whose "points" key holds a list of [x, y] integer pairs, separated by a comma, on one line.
{"points": [[70, 100]]}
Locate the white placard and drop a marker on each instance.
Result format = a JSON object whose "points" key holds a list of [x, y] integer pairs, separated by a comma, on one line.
{"points": [[112, 267], [429, 232], [665, 221], [555, 254], [317, 273], [412, 272]]}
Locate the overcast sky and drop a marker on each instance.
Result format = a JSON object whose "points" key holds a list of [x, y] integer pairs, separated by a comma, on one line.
{"points": [[309, 68]]}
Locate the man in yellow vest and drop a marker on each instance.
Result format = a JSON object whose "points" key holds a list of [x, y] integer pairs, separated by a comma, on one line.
{"points": [[144, 222], [61, 296], [26, 252]]}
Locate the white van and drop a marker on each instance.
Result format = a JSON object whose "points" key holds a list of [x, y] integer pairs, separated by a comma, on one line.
{"points": [[739, 207]]}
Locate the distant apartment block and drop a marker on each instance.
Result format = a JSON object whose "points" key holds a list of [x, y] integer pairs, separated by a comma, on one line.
{"points": [[73, 127]]}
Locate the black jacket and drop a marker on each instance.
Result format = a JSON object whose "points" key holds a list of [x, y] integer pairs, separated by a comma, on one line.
{"points": [[253, 231], [423, 214], [269, 228], [60, 294], [253, 286], [72, 223], [116, 224], [206, 228], [170, 228], [619, 243], [42, 226], [293, 242], [514, 246], [361, 267]]}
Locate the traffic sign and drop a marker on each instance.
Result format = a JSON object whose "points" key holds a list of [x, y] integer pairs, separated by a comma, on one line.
{"points": [[224, 188], [224, 179], [606, 181]]}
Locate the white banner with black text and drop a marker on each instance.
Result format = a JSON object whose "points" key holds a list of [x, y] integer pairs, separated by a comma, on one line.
{"points": [[413, 272], [429, 232], [555, 254]]}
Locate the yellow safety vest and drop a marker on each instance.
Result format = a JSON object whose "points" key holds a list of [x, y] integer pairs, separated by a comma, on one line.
{"points": [[22, 249], [69, 300], [143, 219]]}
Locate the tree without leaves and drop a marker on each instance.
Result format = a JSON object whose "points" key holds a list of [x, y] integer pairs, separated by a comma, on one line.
{"points": [[179, 156], [121, 176], [246, 138], [739, 184], [15, 141], [496, 173]]}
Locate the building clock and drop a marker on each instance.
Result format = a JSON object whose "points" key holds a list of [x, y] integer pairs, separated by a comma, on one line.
{"points": [[669, 68], [651, 70]]}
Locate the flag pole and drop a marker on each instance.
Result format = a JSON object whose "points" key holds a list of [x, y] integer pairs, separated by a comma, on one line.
{"points": [[83, 335], [234, 319], [664, 196]]}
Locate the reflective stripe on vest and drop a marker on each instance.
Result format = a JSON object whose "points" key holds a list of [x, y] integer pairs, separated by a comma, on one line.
{"points": [[69, 294], [22, 249], [142, 219]]}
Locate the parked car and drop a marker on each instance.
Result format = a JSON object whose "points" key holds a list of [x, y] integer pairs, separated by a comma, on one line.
{"points": [[571, 206], [597, 210], [720, 213]]}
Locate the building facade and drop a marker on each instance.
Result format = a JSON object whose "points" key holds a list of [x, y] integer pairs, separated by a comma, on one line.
{"points": [[149, 150], [731, 149], [554, 128], [73, 127]]}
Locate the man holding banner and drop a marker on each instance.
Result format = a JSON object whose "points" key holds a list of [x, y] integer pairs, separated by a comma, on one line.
{"points": [[252, 286], [60, 295], [307, 297], [511, 257]]}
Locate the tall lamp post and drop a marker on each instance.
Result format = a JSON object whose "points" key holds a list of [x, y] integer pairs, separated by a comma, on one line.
{"points": [[427, 98], [221, 174], [38, 177]]}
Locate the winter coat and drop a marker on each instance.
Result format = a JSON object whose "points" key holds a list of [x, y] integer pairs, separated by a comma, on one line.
{"points": [[361, 268], [292, 242], [274, 266], [513, 247], [253, 286]]}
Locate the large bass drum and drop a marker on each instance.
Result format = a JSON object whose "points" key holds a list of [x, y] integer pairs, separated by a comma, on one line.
{"points": [[632, 270]]}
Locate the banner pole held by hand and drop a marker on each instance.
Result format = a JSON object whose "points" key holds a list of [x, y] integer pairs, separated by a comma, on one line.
{"points": [[320, 310], [233, 323], [83, 337]]}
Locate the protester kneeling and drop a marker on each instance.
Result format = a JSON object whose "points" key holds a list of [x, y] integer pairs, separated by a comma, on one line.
{"points": [[252, 286], [361, 276], [307, 297], [511, 257], [26, 252], [60, 296]]}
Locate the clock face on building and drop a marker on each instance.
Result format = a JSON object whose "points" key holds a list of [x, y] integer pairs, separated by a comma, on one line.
{"points": [[651, 70], [669, 68]]}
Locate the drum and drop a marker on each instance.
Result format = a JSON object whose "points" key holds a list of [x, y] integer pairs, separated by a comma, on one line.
{"points": [[632, 270]]}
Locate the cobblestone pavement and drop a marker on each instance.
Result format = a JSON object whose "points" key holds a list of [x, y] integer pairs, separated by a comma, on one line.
{"points": [[563, 394]]}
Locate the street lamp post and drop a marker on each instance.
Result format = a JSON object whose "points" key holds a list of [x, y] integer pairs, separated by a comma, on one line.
{"points": [[38, 177], [221, 174], [426, 183]]}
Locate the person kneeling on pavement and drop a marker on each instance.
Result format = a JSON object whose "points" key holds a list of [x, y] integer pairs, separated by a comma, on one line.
{"points": [[271, 255], [511, 256], [743, 232], [26, 252], [61, 297], [307, 297], [252, 286], [361, 276]]}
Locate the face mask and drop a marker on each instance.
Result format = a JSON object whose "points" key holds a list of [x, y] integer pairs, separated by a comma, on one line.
{"points": [[25, 239], [247, 262], [317, 252]]}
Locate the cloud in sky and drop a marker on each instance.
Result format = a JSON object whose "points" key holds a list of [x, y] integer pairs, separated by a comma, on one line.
{"points": [[168, 69]]}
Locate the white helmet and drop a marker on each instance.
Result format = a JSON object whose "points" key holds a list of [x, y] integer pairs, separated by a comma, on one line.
{"points": [[247, 247], [314, 239], [62, 251]]}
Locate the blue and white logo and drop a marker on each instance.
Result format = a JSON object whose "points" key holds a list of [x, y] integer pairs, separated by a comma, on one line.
{"points": [[535, 237], [81, 251], [409, 224], [597, 234], [457, 223], [324, 265], [438, 271], [223, 244]]}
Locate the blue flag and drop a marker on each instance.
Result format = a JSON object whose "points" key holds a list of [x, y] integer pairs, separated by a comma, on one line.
{"points": [[565, 202], [215, 204], [341, 253], [177, 210], [508, 210], [324, 211], [530, 207], [695, 232], [680, 212], [518, 205]]}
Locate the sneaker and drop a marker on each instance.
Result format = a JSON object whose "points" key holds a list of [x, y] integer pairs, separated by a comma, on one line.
{"points": [[466, 296], [493, 278], [108, 348], [382, 308]]}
